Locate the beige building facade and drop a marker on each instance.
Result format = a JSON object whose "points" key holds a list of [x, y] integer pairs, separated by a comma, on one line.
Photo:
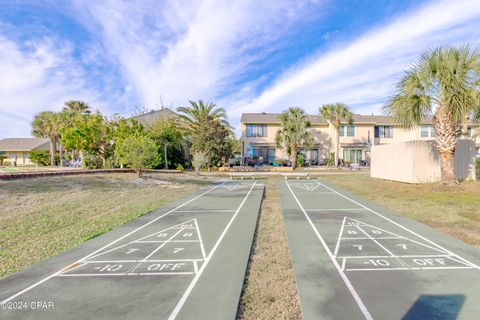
{"points": [[17, 150], [356, 140]]}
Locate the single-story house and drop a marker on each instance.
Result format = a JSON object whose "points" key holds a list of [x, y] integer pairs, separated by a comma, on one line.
{"points": [[17, 150]]}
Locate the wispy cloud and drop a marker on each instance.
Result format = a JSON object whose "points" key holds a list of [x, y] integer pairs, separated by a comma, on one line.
{"points": [[364, 71], [36, 75], [183, 50]]}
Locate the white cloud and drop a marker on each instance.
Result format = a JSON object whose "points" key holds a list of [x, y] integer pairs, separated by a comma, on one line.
{"points": [[183, 50], [39, 75], [364, 72]]}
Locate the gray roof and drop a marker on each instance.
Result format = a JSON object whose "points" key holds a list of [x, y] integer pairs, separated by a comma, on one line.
{"points": [[314, 119], [24, 144], [150, 117]]}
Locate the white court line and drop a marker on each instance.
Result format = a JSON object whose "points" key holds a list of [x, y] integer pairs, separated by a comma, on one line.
{"points": [[333, 209], [378, 269], [148, 236], [402, 256], [200, 239], [123, 274], [343, 264], [339, 237], [404, 228], [413, 268], [349, 285], [187, 292], [408, 239], [155, 241], [377, 238], [378, 243], [106, 246], [146, 261], [195, 267], [200, 211], [162, 245]]}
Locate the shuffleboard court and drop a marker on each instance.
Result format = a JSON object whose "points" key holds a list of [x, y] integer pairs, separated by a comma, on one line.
{"points": [[356, 260], [183, 261]]}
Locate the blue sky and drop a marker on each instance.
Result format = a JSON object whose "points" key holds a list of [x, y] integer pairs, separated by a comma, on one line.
{"points": [[245, 55]]}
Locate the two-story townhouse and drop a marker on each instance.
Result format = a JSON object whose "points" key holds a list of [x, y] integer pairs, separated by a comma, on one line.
{"points": [[259, 129]]}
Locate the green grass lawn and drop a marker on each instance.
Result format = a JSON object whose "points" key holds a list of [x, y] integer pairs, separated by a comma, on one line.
{"points": [[43, 217], [452, 209]]}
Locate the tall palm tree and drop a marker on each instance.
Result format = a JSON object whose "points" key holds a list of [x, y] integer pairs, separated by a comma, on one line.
{"points": [[294, 133], [46, 125], [192, 116], [334, 114], [444, 82], [77, 107]]}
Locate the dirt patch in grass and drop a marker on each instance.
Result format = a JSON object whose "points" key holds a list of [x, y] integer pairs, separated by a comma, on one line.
{"points": [[452, 209], [270, 290], [43, 217]]}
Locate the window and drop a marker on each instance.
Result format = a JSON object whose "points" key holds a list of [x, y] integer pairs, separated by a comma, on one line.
{"points": [[352, 155], [427, 131], [256, 130], [350, 131], [383, 132]]}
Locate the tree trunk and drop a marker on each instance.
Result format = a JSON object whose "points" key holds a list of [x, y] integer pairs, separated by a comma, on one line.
{"points": [[446, 137], [60, 152], [337, 146], [293, 156], [165, 153], [53, 150], [447, 167]]}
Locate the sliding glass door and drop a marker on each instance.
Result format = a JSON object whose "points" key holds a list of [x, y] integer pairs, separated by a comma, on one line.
{"points": [[352, 155]]}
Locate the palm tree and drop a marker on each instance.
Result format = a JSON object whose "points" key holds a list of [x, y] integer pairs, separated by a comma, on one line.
{"points": [[77, 107], [334, 114], [191, 117], [444, 82], [294, 133], [46, 125]]}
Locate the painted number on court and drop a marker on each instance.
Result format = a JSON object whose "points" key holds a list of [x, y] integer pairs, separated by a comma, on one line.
{"points": [[111, 268], [378, 262]]}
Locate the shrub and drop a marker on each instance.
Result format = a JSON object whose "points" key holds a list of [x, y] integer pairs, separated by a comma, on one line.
{"points": [[180, 167], [137, 151], [7, 163], [331, 159], [300, 160], [42, 156], [92, 161]]}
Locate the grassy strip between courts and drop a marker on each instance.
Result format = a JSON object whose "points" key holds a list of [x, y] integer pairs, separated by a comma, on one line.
{"points": [[43, 217], [270, 291], [452, 209]]}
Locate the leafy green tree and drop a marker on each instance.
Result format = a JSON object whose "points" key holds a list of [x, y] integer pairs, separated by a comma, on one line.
{"points": [[444, 82], [137, 151], [46, 124], [334, 114], [42, 156], [212, 138], [168, 135], [198, 113], [90, 133], [294, 133]]}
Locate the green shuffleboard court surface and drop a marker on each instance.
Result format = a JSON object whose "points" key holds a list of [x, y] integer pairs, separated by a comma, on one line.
{"points": [[356, 260], [183, 261]]}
